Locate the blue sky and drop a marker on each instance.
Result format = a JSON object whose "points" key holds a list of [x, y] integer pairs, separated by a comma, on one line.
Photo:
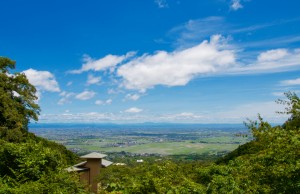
{"points": [[121, 61]]}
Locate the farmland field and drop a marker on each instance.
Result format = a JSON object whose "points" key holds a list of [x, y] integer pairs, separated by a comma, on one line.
{"points": [[160, 139]]}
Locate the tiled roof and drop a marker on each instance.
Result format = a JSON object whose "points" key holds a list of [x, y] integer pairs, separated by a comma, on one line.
{"points": [[106, 163], [81, 166], [95, 155]]}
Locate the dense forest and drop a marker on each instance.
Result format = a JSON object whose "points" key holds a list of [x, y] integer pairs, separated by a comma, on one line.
{"points": [[270, 163]]}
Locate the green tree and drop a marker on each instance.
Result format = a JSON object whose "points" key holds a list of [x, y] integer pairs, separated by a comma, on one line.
{"points": [[17, 101], [30, 167], [270, 163], [28, 164], [154, 177], [293, 109]]}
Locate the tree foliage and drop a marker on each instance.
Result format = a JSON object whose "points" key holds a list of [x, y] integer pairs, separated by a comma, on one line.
{"points": [[17, 100], [159, 177], [33, 168], [293, 109], [28, 164]]}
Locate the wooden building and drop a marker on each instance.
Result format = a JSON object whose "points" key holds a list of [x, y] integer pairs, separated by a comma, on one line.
{"points": [[90, 169]]}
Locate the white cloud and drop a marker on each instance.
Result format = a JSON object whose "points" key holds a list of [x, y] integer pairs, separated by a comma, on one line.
{"points": [[109, 101], [161, 3], [291, 82], [184, 116], [106, 102], [99, 102], [133, 97], [85, 95], [89, 117], [177, 68], [278, 94], [236, 114], [272, 55], [102, 64], [273, 42], [93, 80], [114, 91], [236, 4], [271, 61], [266, 109], [133, 110], [78, 117], [69, 83], [188, 114], [195, 31], [209, 58], [65, 97], [282, 94], [42, 80], [111, 91]]}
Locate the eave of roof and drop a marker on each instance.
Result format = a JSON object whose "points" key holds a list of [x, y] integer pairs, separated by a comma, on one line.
{"points": [[76, 169], [106, 163], [94, 155]]}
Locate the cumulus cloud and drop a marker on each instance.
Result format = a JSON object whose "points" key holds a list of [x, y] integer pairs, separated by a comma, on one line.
{"points": [[161, 3], [133, 97], [42, 80], [93, 79], [102, 64], [78, 117], [235, 114], [114, 91], [236, 5], [99, 102], [88, 117], [106, 102], [177, 68], [272, 55], [134, 110], [65, 97], [184, 116], [291, 82], [85, 95], [277, 60]]}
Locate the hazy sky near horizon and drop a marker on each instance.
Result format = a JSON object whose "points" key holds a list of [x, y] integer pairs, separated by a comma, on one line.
{"points": [[128, 61]]}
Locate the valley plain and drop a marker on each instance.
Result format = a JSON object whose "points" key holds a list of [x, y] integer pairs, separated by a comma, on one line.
{"points": [[146, 139]]}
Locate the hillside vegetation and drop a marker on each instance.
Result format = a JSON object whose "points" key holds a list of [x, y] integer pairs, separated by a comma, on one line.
{"points": [[270, 163], [28, 164]]}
